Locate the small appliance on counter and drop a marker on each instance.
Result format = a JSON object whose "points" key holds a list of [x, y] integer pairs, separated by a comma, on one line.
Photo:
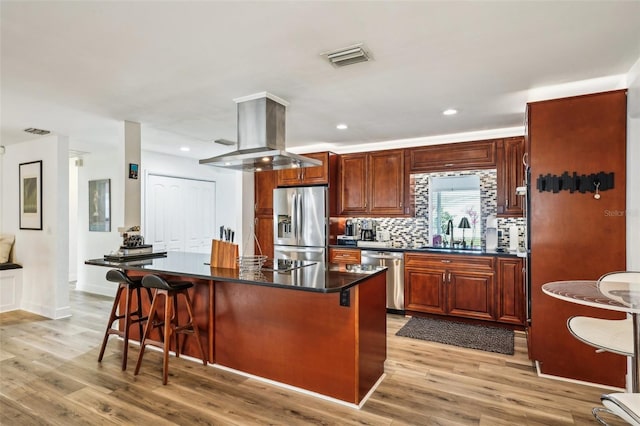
{"points": [[492, 232], [352, 227], [368, 229], [347, 240]]}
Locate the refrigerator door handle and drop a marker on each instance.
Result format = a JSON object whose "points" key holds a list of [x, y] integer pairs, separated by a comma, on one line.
{"points": [[299, 218], [294, 216]]}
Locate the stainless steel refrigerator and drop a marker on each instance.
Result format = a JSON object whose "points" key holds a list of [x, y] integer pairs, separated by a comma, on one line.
{"points": [[300, 223]]}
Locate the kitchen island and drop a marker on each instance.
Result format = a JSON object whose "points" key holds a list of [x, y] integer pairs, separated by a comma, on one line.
{"points": [[317, 327]]}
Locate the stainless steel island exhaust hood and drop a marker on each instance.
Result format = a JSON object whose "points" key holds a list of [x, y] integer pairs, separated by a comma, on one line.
{"points": [[261, 131]]}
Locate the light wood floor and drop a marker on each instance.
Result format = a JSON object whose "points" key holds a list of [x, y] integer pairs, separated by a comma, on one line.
{"points": [[50, 375]]}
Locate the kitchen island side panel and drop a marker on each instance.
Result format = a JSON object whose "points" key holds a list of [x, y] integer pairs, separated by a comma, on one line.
{"points": [[303, 339], [372, 331]]}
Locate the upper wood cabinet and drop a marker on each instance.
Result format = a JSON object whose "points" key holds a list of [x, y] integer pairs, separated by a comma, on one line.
{"points": [[510, 175], [453, 156], [264, 182], [320, 175], [372, 183]]}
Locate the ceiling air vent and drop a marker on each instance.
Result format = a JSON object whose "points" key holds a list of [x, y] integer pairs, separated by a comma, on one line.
{"points": [[37, 131], [347, 55]]}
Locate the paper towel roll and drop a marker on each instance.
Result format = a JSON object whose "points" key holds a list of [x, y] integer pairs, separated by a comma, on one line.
{"points": [[514, 240]]}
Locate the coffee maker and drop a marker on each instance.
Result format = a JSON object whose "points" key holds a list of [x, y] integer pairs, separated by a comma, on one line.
{"points": [[351, 228], [368, 230], [351, 233]]}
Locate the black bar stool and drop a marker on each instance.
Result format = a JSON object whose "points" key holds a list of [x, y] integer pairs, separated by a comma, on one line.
{"points": [[128, 286], [170, 292]]}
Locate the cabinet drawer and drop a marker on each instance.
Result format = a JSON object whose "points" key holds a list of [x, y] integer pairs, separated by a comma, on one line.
{"points": [[344, 255], [464, 262]]}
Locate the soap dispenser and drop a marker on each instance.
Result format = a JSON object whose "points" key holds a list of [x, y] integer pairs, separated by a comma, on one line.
{"points": [[492, 233]]}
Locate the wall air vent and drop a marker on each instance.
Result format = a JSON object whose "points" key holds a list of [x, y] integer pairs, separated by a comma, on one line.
{"points": [[37, 131], [348, 55]]}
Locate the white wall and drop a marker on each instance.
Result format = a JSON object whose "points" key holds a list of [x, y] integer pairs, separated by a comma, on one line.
{"points": [[633, 170], [107, 165], [43, 254], [92, 244]]}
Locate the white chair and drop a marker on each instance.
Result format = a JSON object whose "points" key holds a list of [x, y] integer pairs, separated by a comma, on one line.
{"points": [[612, 336], [605, 335], [624, 405]]}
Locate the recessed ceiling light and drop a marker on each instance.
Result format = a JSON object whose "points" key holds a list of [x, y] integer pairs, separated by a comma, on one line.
{"points": [[342, 126], [450, 111], [185, 149]]}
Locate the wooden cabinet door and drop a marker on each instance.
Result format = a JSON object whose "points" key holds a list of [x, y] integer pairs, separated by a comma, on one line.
{"points": [[338, 255], [265, 182], [353, 184], [425, 290], [510, 175], [264, 235], [453, 156], [386, 182], [511, 303], [307, 175], [471, 294]]}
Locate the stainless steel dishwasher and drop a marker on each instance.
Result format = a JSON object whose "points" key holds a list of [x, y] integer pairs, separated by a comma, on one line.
{"points": [[394, 261]]}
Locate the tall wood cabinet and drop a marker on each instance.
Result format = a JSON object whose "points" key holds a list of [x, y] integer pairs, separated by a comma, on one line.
{"points": [[510, 175], [264, 182], [372, 184], [572, 236]]}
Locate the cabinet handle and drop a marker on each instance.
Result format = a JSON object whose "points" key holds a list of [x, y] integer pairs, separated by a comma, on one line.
{"points": [[449, 279], [444, 278], [255, 207], [448, 165], [445, 261], [507, 203]]}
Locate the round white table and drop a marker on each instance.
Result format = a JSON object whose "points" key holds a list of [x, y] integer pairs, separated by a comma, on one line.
{"points": [[613, 295]]}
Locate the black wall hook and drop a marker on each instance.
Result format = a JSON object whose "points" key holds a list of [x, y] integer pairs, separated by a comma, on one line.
{"points": [[575, 182]]}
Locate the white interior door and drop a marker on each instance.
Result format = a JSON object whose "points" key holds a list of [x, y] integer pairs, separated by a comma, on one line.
{"points": [[179, 214]]}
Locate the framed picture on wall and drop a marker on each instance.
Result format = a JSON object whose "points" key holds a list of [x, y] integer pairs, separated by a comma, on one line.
{"points": [[31, 195], [100, 205]]}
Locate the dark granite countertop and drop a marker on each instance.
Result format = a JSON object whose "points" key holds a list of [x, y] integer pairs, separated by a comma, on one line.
{"points": [[318, 277], [437, 250]]}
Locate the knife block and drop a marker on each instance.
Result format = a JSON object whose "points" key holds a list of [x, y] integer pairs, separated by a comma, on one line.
{"points": [[224, 254]]}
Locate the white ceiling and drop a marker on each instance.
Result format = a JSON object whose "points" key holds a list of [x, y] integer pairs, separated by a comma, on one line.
{"points": [[81, 68]]}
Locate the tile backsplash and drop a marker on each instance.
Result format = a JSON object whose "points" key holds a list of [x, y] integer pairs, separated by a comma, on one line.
{"points": [[415, 232]]}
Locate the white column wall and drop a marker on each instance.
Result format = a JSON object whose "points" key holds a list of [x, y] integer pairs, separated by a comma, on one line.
{"points": [[43, 254], [633, 170]]}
